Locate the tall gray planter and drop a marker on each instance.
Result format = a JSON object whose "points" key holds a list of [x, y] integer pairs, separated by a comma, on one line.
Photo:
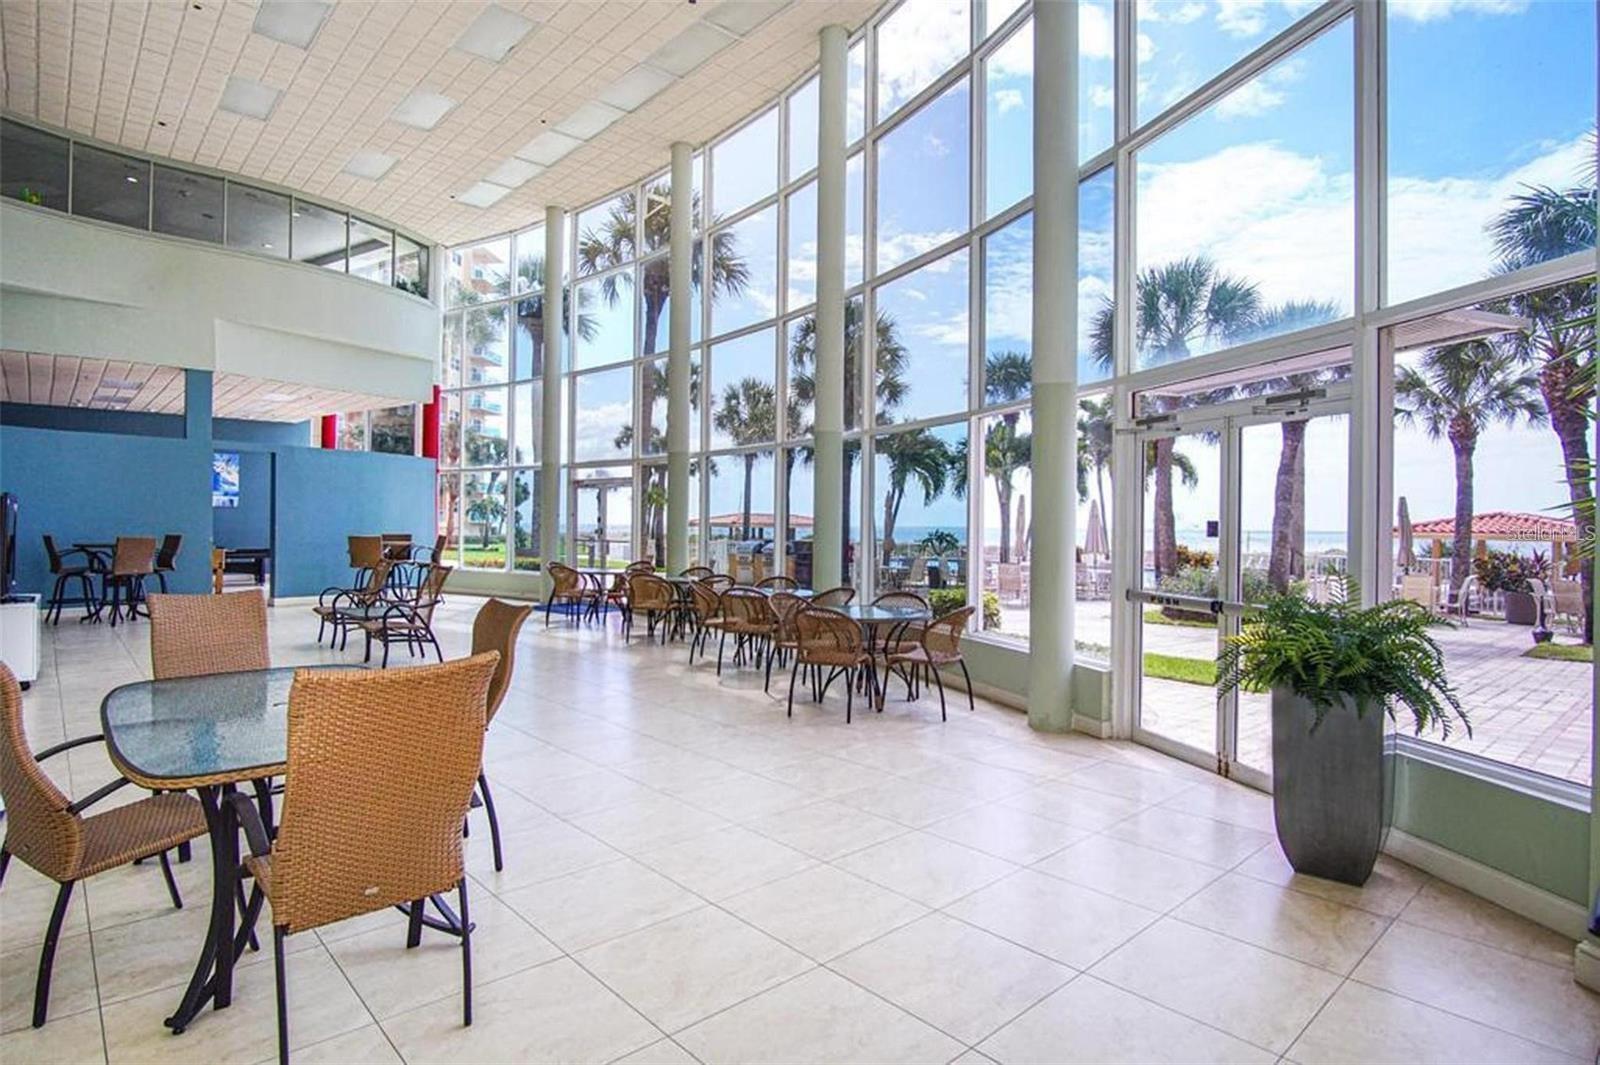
{"points": [[1327, 787]]}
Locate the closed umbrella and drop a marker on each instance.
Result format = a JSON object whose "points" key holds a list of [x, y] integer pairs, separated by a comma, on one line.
{"points": [[1407, 560], [1095, 541], [1022, 529]]}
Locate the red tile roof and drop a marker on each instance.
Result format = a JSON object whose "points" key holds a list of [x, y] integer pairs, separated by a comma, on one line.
{"points": [[1501, 525]]}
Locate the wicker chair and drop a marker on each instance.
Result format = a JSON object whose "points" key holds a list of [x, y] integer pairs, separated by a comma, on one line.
{"points": [[718, 582], [50, 833], [834, 597], [433, 554], [496, 629], [340, 608], [907, 634], [779, 583], [704, 613], [167, 557], [407, 617], [568, 586], [697, 572], [133, 561], [365, 553], [657, 599], [381, 768], [196, 635], [747, 615], [786, 606], [219, 569], [940, 646], [64, 572], [396, 546], [830, 640]]}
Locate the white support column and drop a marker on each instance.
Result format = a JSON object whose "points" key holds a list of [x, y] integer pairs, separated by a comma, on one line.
{"points": [[550, 428], [680, 278], [1055, 363], [827, 560]]}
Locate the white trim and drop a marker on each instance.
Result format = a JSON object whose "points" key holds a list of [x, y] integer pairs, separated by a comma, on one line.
{"points": [[1520, 897]]}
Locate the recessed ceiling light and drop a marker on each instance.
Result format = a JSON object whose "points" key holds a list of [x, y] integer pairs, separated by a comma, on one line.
{"points": [[637, 87], [294, 22], [483, 194], [369, 165], [514, 172], [267, 244], [742, 16], [494, 33], [279, 397], [423, 109], [130, 179], [699, 42], [548, 147], [588, 120], [117, 382], [244, 96]]}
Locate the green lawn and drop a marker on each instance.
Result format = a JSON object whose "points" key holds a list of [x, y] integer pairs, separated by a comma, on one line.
{"points": [[1175, 667], [1154, 616], [1561, 652]]}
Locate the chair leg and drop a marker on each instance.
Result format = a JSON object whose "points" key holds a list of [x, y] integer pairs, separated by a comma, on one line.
{"points": [[466, 955], [849, 693], [385, 650], [494, 822], [939, 681], [278, 933], [972, 704], [172, 883], [5, 863], [414, 927], [161, 579], [436, 648], [793, 673], [720, 644], [47, 956]]}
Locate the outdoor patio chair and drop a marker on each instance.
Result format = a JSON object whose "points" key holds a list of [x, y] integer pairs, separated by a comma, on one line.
{"points": [[697, 572], [1420, 589], [747, 615], [365, 552], [778, 582], [568, 587], [834, 597], [705, 614], [940, 646], [63, 571], [133, 560], [167, 557], [337, 607], [495, 628], [829, 640], [407, 618], [200, 635], [656, 598], [1568, 599], [1459, 605], [1013, 589]]}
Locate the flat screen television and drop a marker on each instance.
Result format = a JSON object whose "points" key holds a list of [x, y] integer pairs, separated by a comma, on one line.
{"points": [[224, 478]]}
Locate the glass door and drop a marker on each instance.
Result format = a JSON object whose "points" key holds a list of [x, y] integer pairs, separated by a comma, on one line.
{"points": [[602, 509]]}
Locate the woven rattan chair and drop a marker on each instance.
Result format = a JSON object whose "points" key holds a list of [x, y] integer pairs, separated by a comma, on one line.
{"points": [[907, 634], [339, 608], [407, 617], [705, 615], [219, 569], [64, 571], [381, 768], [778, 583], [833, 597], [718, 582], [133, 561], [433, 554], [746, 615], [830, 640], [939, 647], [196, 635], [697, 572], [495, 629], [568, 586], [786, 606], [657, 599], [167, 557], [396, 546], [365, 552], [46, 831]]}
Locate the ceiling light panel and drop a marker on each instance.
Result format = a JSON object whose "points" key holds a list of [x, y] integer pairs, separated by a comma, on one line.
{"points": [[742, 16], [483, 194], [293, 22], [514, 172], [699, 42], [548, 147], [244, 96], [637, 87], [369, 165], [494, 33], [589, 120], [422, 109]]}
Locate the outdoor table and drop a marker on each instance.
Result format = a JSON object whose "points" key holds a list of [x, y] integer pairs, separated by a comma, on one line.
{"points": [[870, 618], [210, 734]]}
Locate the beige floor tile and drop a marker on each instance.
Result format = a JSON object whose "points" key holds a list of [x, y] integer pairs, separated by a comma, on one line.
{"points": [[725, 861], [933, 871], [1362, 1025], [1091, 1022], [1061, 800], [1506, 991], [987, 783], [1127, 871], [818, 1017], [895, 758], [364, 1046], [72, 983], [823, 911], [1225, 801], [555, 1012], [1199, 839], [1260, 997], [680, 772], [958, 978], [1008, 833], [648, 823], [590, 906], [827, 830], [68, 1040], [1388, 891], [392, 979], [1446, 908], [689, 967], [909, 803], [26, 900], [599, 789], [662, 1052], [1130, 782], [746, 797], [1309, 929], [134, 892], [321, 1005], [825, 777], [1073, 925]]}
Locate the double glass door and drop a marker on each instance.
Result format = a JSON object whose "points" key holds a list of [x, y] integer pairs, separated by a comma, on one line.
{"points": [[1236, 506]]}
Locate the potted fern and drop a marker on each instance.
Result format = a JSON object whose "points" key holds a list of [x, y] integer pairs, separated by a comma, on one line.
{"points": [[1335, 670]]}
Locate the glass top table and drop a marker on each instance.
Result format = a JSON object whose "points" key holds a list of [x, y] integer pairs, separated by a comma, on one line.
{"points": [[867, 614], [195, 731]]}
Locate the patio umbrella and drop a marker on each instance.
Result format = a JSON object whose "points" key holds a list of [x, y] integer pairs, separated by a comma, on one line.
{"points": [[1022, 528], [1408, 553], [1095, 541]]}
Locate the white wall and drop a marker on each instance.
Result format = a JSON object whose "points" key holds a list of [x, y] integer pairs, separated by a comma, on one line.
{"points": [[69, 286]]}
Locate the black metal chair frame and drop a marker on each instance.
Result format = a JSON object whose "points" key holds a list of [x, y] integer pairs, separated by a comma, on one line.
{"points": [[83, 574], [167, 558], [407, 621]]}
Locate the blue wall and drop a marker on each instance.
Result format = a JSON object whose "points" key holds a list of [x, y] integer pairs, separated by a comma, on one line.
{"points": [[284, 434], [250, 523], [84, 420]]}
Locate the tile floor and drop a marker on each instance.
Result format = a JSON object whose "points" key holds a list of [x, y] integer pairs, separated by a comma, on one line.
{"points": [[692, 876]]}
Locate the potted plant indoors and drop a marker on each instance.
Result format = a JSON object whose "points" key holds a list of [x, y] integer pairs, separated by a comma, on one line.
{"points": [[1335, 670]]}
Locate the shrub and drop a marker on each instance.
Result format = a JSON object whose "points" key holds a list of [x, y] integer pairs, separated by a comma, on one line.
{"points": [[943, 600], [1193, 556], [1507, 571]]}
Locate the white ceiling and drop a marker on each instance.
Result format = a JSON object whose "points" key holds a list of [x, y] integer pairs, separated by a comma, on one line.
{"points": [[109, 384], [115, 70]]}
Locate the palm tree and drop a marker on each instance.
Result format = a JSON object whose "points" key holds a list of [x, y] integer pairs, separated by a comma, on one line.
{"points": [[1455, 392], [1177, 306], [1005, 452], [1007, 377], [1096, 420], [530, 309], [917, 456], [749, 415], [487, 509]]}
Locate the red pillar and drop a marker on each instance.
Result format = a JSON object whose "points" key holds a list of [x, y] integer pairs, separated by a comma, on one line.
{"points": [[430, 427], [330, 431]]}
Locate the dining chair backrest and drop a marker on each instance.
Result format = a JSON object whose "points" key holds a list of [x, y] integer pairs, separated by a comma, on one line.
{"points": [[381, 766], [827, 634], [1569, 595], [495, 628], [396, 546], [942, 636], [365, 551], [135, 556], [696, 572], [377, 579], [438, 548], [167, 556], [195, 635], [907, 600], [778, 581], [640, 567], [1010, 578], [564, 580], [430, 590], [840, 596], [718, 582], [52, 553], [704, 600], [746, 606], [40, 829], [646, 591], [219, 567], [1418, 587], [785, 605]]}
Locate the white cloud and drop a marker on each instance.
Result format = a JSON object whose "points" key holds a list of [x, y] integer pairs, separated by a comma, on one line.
{"points": [[934, 146], [1008, 100], [894, 248], [1095, 36], [1102, 96], [1188, 12], [915, 46], [950, 331], [1147, 48], [1263, 92], [596, 427], [1248, 18], [1430, 10]]}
